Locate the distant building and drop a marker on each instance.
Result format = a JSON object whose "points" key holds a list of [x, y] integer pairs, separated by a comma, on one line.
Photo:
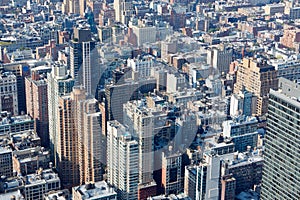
{"points": [[257, 77], [9, 93], [272, 9], [98, 190], [220, 58]]}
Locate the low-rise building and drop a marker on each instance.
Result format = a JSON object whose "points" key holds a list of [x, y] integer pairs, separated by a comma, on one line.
{"points": [[98, 190]]}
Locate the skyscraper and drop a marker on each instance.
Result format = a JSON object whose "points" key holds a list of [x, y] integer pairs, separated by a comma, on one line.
{"points": [[37, 103], [281, 171], [59, 83], [83, 63], [67, 157], [122, 161], [140, 121], [91, 141]]}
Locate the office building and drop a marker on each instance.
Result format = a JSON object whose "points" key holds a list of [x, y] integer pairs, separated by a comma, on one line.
{"points": [[123, 10], [125, 90], [90, 191], [245, 168], [20, 70], [257, 77], [122, 161], [143, 33], [281, 169], [243, 131], [9, 93], [6, 162], [141, 123], [228, 185], [81, 34]]}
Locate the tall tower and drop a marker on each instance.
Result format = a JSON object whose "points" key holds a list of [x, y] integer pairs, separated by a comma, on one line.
{"points": [[140, 121], [37, 103], [281, 170], [59, 83], [67, 161], [80, 143], [91, 141], [83, 59], [122, 161]]}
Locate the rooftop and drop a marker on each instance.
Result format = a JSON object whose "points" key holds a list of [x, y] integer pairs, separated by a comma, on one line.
{"points": [[95, 190]]}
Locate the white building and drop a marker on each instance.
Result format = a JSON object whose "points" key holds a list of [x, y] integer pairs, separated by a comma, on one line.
{"points": [[144, 33], [142, 65], [122, 161], [140, 121], [92, 191], [59, 83]]}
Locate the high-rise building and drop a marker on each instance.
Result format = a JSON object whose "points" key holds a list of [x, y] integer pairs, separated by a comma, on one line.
{"points": [[83, 60], [281, 171], [37, 104], [71, 6], [59, 83], [122, 161], [91, 141], [80, 143], [81, 34], [8, 93], [257, 77], [67, 161], [140, 121]]}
